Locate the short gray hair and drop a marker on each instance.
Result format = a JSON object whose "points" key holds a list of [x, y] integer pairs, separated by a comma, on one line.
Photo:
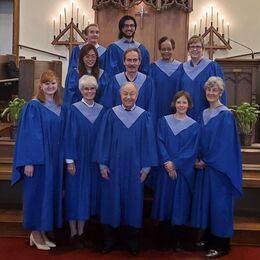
{"points": [[87, 81], [215, 82], [129, 83]]}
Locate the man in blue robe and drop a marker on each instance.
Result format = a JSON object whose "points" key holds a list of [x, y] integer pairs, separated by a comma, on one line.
{"points": [[125, 149], [115, 51], [195, 73], [91, 32], [144, 84]]}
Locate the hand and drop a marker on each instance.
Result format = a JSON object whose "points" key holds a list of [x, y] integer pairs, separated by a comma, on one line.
{"points": [[105, 173], [199, 164], [71, 168], [143, 176], [28, 170], [169, 166], [173, 174]]}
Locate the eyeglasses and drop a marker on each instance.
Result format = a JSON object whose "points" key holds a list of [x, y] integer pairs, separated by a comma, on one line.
{"points": [[195, 47], [165, 50], [129, 25], [93, 56]]}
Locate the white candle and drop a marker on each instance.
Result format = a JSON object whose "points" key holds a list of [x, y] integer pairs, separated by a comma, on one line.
{"points": [[83, 21], [194, 31], [65, 17], [88, 21], [223, 32], [200, 26], [53, 26], [217, 20], [60, 22], [212, 13], [228, 31], [206, 22], [77, 15], [72, 5]]}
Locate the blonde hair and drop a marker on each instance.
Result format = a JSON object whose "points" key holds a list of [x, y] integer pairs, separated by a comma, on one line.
{"points": [[87, 80]]}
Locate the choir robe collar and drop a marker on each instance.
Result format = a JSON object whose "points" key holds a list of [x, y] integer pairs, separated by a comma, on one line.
{"points": [[51, 105], [128, 118], [139, 80], [168, 68], [193, 71], [210, 113], [124, 44], [100, 49], [99, 76], [178, 125], [90, 112]]}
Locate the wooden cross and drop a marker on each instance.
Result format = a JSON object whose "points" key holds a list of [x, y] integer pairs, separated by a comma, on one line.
{"points": [[141, 13]]}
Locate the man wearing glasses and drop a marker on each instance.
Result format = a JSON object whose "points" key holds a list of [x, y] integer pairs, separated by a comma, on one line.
{"points": [[114, 55]]}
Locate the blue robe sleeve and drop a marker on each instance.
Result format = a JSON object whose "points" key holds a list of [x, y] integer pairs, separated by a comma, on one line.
{"points": [[110, 95], [149, 152], [111, 60], [151, 100], [224, 154], [71, 92], [29, 147], [73, 62], [145, 62]]}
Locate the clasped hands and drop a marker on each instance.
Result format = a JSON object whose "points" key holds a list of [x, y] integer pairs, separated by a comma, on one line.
{"points": [[170, 168]]}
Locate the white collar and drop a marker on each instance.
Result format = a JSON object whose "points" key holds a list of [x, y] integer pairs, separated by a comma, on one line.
{"points": [[131, 109], [92, 105]]}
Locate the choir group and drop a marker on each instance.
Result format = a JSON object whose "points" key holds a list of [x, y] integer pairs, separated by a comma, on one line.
{"points": [[126, 125]]}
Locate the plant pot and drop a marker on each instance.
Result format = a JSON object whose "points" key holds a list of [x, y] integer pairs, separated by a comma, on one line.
{"points": [[246, 139], [13, 131]]}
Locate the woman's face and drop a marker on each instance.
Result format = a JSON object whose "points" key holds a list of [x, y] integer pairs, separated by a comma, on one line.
{"points": [[90, 59], [88, 93], [213, 94], [50, 87], [196, 50], [166, 50], [181, 105]]}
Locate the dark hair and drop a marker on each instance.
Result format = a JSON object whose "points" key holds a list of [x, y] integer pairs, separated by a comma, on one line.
{"points": [[135, 50], [81, 65], [195, 39], [121, 24], [179, 94], [165, 38], [46, 76]]}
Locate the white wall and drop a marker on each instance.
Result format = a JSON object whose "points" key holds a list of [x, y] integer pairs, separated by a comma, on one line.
{"points": [[6, 31], [243, 17], [36, 26]]}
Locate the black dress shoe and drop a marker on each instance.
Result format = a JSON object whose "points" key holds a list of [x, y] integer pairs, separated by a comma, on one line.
{"points": [[213, 253], [134, 252], [107, 249], [76, 243], [85, 241]]}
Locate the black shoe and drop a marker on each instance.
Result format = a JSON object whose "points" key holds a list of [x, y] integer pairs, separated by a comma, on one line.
{"points": [[76, 243], [213, 253], [134, 252], [107, 249], [85, 241]]}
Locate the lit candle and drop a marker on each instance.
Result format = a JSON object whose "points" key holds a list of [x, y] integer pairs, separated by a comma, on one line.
{"points": [[88, 21], [83, 21], [228, 31], [60, 22], [217, 20], [54, 26], [206, 22], [72, 5], [212, 14], [194, 31], [65, 17], [77, 15], [200, 26], [223, 32]]}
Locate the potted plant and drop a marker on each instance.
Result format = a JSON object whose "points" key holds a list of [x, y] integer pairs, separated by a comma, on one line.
{"points": [[246, 115], [12, 113]]}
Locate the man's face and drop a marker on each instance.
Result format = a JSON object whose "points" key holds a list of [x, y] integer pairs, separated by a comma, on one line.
{"points": [[129, 95], [128, 29], [132, 62], [93, 35]]}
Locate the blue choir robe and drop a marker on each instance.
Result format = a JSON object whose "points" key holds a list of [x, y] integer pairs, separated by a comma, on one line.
{"points": [[193, 80], [72, 93], [39, 143], [126, 144], [73, 62], [146, 96], [82, 191], [221, 180], [114, 61], [167, 78], [177, 142]]}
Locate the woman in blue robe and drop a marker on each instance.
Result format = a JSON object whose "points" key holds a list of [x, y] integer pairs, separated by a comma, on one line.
{"points": [[87, 65], [38, 161], [219, 175], [166, 73], [125, 150], [82, 181], [196, 72], [177, 138]]}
